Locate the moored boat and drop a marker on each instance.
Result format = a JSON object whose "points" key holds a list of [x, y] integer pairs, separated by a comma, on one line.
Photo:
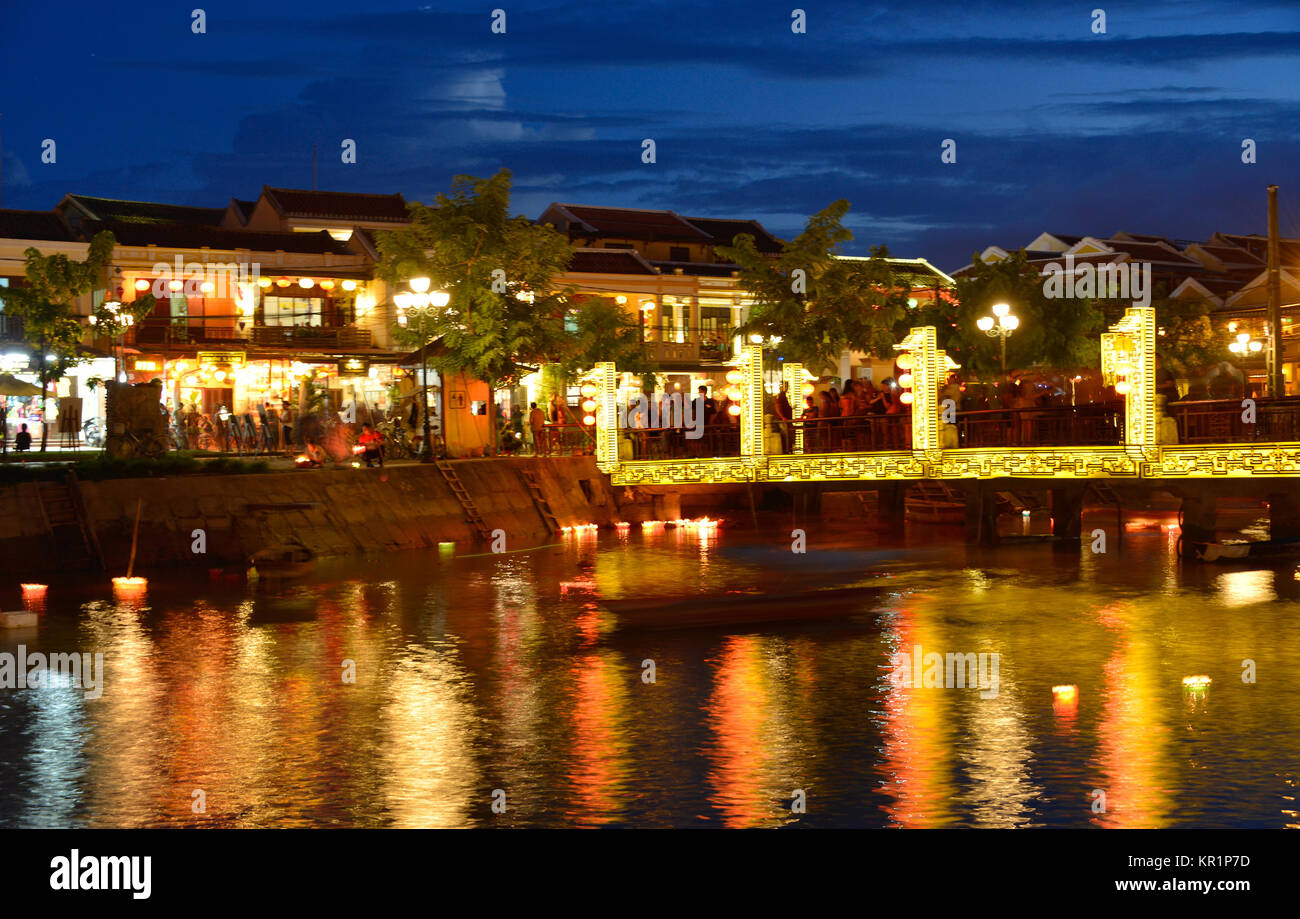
{"points": [[738, 608]]}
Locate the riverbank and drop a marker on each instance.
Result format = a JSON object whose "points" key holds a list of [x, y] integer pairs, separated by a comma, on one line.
{"points": [[205, 521]]}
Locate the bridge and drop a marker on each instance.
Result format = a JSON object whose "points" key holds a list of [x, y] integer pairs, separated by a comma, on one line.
{"points": [[1108, 450]]}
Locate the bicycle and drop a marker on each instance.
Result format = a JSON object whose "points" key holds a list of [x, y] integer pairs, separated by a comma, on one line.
{"points": [[129, 444]]}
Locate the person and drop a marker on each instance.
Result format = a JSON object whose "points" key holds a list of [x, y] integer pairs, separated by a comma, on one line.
{"points": [[314, 453], [372, 443], [537, 425], [23, 441], [4, 425], [784, 413]]}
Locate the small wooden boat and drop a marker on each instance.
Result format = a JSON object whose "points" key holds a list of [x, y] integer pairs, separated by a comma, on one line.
{"points": [[1241, 551], [18, 619], [738, 608], [289, 560]]}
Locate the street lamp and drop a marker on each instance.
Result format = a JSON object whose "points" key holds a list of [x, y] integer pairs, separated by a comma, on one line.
{"points": [[422, 305], [116, 323], [1000, 325], [1245, 344]]}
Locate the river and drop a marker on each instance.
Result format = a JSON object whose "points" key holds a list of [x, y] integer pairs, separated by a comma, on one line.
{"points": [[429, 690]]}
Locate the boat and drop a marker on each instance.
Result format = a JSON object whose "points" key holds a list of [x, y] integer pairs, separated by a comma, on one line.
{"points": [[289, 560], [18, 619], [1239, 551], [712, 610]]}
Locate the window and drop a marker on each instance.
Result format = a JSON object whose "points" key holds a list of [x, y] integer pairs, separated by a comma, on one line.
{"points": [[679, 254], [293, 310], [4, 282]]}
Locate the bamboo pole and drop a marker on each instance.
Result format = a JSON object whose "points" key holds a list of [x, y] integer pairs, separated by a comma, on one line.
{"points": [[135, 537]]}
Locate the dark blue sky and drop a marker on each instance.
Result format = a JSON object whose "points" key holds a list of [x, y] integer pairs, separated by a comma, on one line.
{"points": [[1057, 128]]}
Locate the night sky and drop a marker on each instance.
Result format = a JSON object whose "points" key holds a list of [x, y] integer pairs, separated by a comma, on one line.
{"points": [[1057, 128]]}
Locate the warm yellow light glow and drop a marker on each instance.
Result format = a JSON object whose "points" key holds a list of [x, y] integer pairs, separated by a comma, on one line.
{"points": [[984, 323], [906, 397], [306, 283], [420, 285], [220, 375], [756, 339], [1123, 387], [1065, 691], [327, 285], [1001, 309], [439, 298], [588, 390], [733, 409], [175, 286], [141, 284], [1011, 323], [904, 360], [589, 406], [264, 283], [282, 282], [207, 287], [647, 306], [620, 299], [808, 389], [734, 376], [905, 380], [34, 590], [588, 420], [349, 284], [1200, 681]]}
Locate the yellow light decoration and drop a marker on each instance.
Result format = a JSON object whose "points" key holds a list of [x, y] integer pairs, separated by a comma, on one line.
{"points": [[620, 299], [191, 380], [33, 591], [905, 380], [1065, 692], [808, 389], [904, 361], [733, 409], [906, 397], [1123, 387], [174, 286], [141, 284], [327, 285], [281, 282], [734, 393], [349, 284], [648, 306], [589, 406], [207, 287], [588, 420], [1200, 681], [264, 283], [129, 588], [220, 375], [588, 390], [734, 377], [306, 283]]}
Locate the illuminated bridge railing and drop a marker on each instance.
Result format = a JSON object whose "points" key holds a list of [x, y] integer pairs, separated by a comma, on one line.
{"points": [[1087, 425], [1222, 421]]}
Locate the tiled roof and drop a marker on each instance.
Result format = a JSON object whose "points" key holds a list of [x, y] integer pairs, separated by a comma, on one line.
{"points": [[609, 261], [183, 236], [1152, 252], [628, 223], [724, 232], [337, 205], [111, 209], [33, 225]]}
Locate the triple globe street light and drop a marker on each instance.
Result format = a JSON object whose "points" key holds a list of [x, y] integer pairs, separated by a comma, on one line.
{"points": [[422, 305], [1000, 325]]}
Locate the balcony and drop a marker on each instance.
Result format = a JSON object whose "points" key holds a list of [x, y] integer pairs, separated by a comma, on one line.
{"points": [[688, 345], [162, 332]]}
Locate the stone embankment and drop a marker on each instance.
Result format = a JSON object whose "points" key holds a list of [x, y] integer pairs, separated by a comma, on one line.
{"points": [[48, 526]]}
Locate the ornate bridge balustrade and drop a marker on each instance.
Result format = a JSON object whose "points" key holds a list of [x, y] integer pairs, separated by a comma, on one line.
{"points": [[1123, 441]]}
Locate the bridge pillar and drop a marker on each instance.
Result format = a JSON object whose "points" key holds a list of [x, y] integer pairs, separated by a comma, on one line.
{"points": [[1200, 519], [1067, 511], [1283, 516], [982, 516], [891, 506], [666, 506]]}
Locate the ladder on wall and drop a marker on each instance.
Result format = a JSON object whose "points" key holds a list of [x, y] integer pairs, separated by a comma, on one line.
{"points": [[539, 499], [466, 502], [66, 521]]}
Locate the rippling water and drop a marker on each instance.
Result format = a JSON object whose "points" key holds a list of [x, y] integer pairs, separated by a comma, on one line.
{"points": [[503, 672]]}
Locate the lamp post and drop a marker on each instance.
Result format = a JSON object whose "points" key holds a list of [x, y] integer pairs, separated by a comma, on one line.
{"points": [[1000, 325], [422, 304], [116, 323]]}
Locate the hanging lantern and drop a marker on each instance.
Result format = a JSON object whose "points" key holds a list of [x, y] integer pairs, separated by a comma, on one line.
{"points": [[905, 380], [588, 390], [734, 393], [808, 389], [735, 376], [141, 284], [264, 283], [904, 361], [326, 285], [175, 286], [349, 284], [905, 398], [1122, 387], [589, 406], [648, 306], [733, 409], [588, 420], [306, 283]]}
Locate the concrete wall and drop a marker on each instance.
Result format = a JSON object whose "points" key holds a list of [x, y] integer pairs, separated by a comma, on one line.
{"points": [[332, 511]]}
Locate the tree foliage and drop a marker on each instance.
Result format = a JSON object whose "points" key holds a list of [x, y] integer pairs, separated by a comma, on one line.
{"points": [[815, 303], [47, 306]]}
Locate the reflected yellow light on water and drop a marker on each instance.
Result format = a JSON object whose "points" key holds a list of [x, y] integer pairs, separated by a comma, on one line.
{"points": [[1244, 588]]}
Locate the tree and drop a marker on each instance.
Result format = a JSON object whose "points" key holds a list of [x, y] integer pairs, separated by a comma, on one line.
{"points": [[816, 304], [505, 317], [601, 330], [1063, 333], [1186, 342], [47, 306]]}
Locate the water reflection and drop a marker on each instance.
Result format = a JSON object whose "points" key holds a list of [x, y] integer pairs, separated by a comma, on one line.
{"points": [[405, 690]]}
